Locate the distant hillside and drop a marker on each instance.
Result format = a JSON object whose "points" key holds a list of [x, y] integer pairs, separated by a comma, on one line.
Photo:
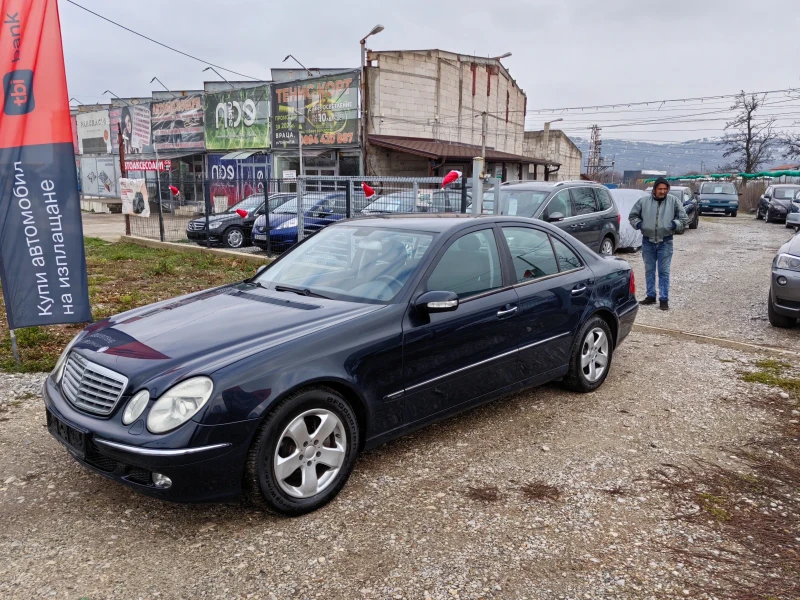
{"points": [[676, 157]]}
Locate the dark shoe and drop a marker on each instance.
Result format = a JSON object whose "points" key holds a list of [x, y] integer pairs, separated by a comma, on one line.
{"points": [[648, 301], [664, 305]]}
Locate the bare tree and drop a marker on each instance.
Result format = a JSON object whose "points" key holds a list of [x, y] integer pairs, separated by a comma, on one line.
{"points": [[791, 145], [749, 140]]}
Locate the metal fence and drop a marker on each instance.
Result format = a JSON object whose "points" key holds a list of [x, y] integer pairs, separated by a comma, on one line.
{"points": [[271, 216]]}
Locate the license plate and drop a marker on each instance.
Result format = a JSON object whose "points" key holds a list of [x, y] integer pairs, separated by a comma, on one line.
{"points": [[74, 439], [718, 209], [260, 236]]}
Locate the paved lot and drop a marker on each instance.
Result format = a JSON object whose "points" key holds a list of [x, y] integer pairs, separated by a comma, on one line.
{"points": [[419, 517], [106, 226]]}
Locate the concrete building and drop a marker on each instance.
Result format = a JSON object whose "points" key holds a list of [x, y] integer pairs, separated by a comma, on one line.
{"points": [[424, 115], [555, 146]]}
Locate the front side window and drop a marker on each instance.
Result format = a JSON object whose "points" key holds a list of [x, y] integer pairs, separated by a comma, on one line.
{"points": [[584, 201], [470, 266], [531, 253], [560, 204], [356, 264], [567, 259]]}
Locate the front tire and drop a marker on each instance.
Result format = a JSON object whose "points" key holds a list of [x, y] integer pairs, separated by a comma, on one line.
{"points": [[758, 213], [777, 320], [734, 213], [317, 428], [591, 357], [696, 222], [233, 238]]}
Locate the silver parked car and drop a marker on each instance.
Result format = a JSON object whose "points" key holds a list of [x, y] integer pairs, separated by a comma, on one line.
{"points": [[784, 293], [793, 218]]}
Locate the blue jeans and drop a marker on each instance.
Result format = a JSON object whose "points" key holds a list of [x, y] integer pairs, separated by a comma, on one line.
{"points": [[657, 257]]}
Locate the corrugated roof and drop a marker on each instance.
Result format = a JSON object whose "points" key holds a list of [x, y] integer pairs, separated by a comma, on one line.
{"points": [[430, 148]]}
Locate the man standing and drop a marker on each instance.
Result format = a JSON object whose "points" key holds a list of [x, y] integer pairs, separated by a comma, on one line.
{"points": [[659, 216]]}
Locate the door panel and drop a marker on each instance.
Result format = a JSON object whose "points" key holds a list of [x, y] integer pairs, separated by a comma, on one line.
{"points": [[589, 223], [453, 357]]}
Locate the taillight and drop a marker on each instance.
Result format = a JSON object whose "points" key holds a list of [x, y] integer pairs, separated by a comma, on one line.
{"points": [[633, 285], [619, 219]]}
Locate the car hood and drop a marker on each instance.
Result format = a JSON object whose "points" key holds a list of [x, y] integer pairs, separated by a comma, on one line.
{"points": [[792, 246], [785, 202], [720, 197], [225, 217], [205, 331]]}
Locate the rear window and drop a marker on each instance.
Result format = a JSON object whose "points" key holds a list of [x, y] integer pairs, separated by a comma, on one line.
{"points": [[718, 188]]}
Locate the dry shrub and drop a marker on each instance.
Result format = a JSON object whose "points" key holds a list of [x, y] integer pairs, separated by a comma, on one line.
{"points": [[537, 490], [751, 193], [484, 494]]}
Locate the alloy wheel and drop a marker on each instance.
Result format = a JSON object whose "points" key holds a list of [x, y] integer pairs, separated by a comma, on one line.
{"points": [[235, 238], [594, 355], [607, 247], [310, 453]]}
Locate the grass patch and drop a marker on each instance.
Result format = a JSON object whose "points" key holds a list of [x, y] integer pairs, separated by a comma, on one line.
{"points": [[121, 277], [773, 373]]}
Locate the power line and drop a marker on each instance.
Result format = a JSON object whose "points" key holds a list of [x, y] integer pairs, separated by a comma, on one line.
{"points": [[205, 62]]}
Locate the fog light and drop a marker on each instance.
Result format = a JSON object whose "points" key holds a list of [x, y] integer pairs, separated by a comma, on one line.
{"points": [[161, 481], [782, 280]]}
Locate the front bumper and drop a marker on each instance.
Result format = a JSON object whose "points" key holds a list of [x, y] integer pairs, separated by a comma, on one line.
{"points": [[200, 237], [776, 214], [722, 208], [786, 298], [793, 219], [207, 469]]}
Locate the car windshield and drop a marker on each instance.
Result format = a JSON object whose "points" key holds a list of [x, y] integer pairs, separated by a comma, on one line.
{"points": [[718, 188], [250, 204], [786, 193], [356, 264], [399, 202]]}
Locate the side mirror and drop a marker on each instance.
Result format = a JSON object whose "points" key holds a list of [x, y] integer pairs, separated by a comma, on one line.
{"points": [[437, 302], [555, 217]]}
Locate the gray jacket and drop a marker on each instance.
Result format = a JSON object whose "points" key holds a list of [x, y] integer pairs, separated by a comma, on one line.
{"points": [[658, 220]]}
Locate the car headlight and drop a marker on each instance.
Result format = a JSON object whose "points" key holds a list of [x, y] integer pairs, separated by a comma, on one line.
{"points": [[61, 363], [179, 404], [214, 225], [787, 261], [287, 224], [135, 407]]}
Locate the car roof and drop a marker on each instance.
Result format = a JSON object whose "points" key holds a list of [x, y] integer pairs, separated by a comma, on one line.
{"points": [[547, 186], [786, 185], [437, 222]]}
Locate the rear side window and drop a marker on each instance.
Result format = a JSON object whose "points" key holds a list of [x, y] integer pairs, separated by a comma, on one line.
{"points": [[560, 203], [603, 199], [567, 259], [584, 201], [531, 252]]}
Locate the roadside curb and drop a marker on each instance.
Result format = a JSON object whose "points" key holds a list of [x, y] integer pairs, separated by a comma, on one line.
{"points": [[706, 339], [193, 249]]}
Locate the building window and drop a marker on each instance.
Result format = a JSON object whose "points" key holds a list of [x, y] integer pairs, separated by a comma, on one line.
{"points": [[488, 80], [474, 77]]}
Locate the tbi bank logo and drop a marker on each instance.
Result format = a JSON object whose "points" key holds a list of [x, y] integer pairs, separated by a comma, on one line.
{"points": [[18, 86]]}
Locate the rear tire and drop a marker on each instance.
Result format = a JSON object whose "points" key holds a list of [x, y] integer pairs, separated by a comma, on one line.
{"points": [[607, 246], [777, 320], [273, 442], [589, 353]]}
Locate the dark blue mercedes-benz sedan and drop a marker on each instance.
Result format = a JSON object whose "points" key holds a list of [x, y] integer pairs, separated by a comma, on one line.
{"points": [[368, 330]]}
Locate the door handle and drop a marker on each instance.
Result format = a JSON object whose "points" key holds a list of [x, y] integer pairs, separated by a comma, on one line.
{"points": [[578, 291], [507, 312], [573, 226], [583, 224]]}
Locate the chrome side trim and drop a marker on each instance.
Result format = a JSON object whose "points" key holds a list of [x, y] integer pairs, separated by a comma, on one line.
{"points": [[540, 342], [462, 369], [152, 452]]}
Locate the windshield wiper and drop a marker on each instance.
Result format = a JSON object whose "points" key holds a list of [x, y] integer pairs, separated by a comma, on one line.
{"points": [[300, 291]]}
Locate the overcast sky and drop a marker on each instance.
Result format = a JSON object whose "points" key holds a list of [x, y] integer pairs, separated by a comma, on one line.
{"points": [[565, 53]]}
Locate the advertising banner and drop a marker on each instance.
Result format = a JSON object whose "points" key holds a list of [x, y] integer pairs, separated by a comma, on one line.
{"points": [[237, 119], [98, 176], [148, 165], [135, 122], [326, 108], [177, 124], [94, 132], [134, 197], [42, 262], [231, 181]]}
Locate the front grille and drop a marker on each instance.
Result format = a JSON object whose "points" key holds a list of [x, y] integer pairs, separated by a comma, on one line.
{"points": [[90, 387], [140, 476], [196, 226]]}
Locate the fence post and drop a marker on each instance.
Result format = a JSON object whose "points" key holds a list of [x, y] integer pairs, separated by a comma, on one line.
{"points": [[160, 209], [348, 202], [267, 228], [497, 206], [415, 196], [463, 194], [301, 217], [207, 199]]}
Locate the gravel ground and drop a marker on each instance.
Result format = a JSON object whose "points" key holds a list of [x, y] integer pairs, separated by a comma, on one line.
{"points": [[443, 513], [409, 524], [720, 280]]}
